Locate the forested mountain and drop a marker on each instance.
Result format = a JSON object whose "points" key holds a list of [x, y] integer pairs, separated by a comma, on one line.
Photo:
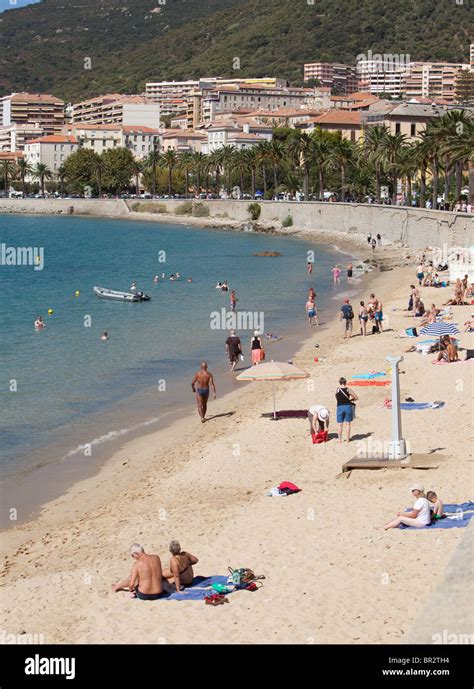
{"points": [[44, 47]]}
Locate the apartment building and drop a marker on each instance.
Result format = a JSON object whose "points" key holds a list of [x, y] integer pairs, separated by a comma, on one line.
{"points": [[348, 124], [337, 77], [407, 118], [433, 80], [14, 136], [33, 108], [99, 138], [232, 134], [172, 96], [182, 141], [52, 150], [117, 109]]}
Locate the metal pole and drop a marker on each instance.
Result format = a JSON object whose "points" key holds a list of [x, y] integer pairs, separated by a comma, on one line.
{"points": [[274, 403], [397, 448]]}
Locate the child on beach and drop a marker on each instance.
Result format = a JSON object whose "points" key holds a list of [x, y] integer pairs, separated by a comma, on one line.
{"points": [[419, 516], [436, 506]]}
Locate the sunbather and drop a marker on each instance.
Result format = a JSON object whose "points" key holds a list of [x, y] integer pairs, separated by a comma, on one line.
{"points": [[145, 580], [469, 324], [180, 572], [436, 506], [450, 353], [419, 516]]}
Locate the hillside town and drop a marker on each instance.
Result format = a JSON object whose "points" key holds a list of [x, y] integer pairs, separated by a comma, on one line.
{"points": [[239, 127]]}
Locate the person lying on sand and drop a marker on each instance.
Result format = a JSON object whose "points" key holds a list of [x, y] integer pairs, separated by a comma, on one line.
{"points": [[146, 578], [180, 572], [419, 516], [436, 506], [469, 324]]}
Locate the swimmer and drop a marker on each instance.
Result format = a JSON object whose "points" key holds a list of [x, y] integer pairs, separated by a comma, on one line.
{"points": [[163, 276], [178, 275], [172, 277], [219, 285], [39, 323], [104, 336], [309, 267], [133, 287], [156, 279], [190, 280]]}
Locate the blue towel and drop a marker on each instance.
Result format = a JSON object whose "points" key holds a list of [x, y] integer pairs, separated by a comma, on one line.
{"points": [[369, 376], [447, 523], [199, 588], [419, 405]]}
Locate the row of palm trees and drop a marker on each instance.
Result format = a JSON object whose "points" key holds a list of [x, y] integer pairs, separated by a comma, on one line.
{"points": [[20, 170], [295, 161]]}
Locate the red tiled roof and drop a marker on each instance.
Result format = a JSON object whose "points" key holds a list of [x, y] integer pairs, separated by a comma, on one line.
{"points": [[54, 139], [336, 116]]}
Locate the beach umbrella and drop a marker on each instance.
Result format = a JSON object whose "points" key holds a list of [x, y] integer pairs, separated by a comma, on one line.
{"points": [[440, 329], [273, 371]]}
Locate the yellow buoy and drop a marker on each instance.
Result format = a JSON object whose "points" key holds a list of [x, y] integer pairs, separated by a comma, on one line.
{"points": [[50, 312], [77, 293]]}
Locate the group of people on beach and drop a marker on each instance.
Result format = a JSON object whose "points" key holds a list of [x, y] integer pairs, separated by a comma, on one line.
{"points": [[426, 510], [319, 414], [234, 352], [372, 313], [149, 581]]}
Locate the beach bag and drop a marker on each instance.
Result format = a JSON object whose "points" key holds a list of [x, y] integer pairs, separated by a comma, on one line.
{"points": [[469, 354], [319, 437], [411, 332], [240, 577]]}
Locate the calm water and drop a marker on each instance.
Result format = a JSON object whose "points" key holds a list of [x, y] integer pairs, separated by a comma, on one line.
{"points": [[75, 389]]}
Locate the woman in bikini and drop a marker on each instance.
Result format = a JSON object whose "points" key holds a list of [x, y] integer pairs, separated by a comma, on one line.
{"points": [[180, 572]]}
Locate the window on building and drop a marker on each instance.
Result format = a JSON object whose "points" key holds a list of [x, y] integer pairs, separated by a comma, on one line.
{"points": [[413, 130], [398, 127]]}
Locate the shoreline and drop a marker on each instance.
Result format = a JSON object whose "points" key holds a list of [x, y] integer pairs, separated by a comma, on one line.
{"points": [[215, 502]]}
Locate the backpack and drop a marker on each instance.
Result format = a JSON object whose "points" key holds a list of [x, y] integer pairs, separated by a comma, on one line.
{"points": [[350, 313]]}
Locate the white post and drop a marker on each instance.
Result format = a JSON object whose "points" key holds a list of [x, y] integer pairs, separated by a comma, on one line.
{"points": [[397, 448]]}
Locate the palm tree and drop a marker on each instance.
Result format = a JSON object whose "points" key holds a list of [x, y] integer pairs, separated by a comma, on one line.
{"points": [[303, 148], [137, 170], [323, 145], [241, 167], [374, 138], [227, 157], [275, 155], [407, 168], [263, 153], [342, 155], [250, 155], [198, 163], [430, 148], [42, 173], [456, 129], [186, 164], [152, 161], [8, 171], [170, 160], [391, 155], [215, 163], [24, 169], [61, 175]]}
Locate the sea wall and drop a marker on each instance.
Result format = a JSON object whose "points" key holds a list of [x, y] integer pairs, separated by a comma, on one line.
{"points": [[414, 227]]}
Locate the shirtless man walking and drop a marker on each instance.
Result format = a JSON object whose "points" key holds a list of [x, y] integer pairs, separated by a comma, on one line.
{"points": [[146, 578], [203, 380]]}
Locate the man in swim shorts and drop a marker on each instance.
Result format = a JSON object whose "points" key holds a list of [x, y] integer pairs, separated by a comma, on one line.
{"points": [[146, 578], [378, 312], [200, 386]]}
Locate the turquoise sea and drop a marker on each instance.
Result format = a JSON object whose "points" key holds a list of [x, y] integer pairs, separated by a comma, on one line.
{"points": [[63, 388]]}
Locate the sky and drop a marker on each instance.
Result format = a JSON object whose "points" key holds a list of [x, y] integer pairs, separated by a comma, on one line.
{"points": [[10, 5]]}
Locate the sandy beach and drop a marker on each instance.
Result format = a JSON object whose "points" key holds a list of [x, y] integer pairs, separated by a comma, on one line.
{"points": [[330, 575]]}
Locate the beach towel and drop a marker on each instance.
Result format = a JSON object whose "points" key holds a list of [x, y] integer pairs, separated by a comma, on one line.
{"points": [[406, 406], [443, 361], [199, 588], [361, 383], [459, 517], [370, 376], [292, 414]]}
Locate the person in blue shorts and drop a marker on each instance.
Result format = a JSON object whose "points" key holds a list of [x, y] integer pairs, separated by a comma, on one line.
{"points": [[345, 413]]}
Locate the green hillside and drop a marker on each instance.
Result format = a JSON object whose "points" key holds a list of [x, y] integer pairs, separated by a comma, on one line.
{"points": [[44, 46]]}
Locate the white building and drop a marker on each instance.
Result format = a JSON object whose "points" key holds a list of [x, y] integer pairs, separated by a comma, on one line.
{"points": [[219, 135], [14, 136], [99, 138], [51, 150]]}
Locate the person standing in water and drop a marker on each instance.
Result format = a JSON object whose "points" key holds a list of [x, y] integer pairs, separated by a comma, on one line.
{"points": [[202, 381], [311, 311], [350, 269], [233, 301], [336, 273], [309, 267]]}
